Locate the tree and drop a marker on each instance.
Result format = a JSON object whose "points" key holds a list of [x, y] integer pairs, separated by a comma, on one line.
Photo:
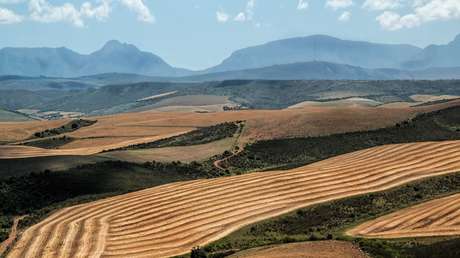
{"points": [[197, 252]]}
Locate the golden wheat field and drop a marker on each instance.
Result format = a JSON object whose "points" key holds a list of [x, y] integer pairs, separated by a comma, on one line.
{"points": [[171, 219], [440, 217]]}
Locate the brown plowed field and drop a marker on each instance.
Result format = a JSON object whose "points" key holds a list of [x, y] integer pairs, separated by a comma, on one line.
{"points": [[171, 219], [317, 249], [439, 217]]}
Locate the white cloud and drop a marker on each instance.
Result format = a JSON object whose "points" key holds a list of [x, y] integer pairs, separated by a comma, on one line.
{"points": [[248, 12], [345, 16], [100, 12], [222, 16], [46, 12], [424, 11], [241, 17], [9, 17], [381, 4], [302, 5], [138, 6], [42, 11], [337, 4]]}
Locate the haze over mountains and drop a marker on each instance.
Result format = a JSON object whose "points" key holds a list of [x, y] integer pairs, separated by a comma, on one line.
{"points": [[114, 57], [312, 57], [318, 48]]}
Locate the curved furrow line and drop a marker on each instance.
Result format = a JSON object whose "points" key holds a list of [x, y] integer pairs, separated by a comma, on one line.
{"points": [[400, 220], [433, 218], [86, 242], [178, 236], [451, 219], [437, 211], [375, 153]]}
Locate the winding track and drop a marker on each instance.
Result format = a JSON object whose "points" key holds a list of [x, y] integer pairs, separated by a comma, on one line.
{"points": [[440, 217], [171, 219]]}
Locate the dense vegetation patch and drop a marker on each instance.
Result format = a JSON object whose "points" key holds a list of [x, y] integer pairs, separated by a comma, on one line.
{"points": [[195, 137], [67, 128], [50, 143], [5, 227], [329, 220], [435, 126]]}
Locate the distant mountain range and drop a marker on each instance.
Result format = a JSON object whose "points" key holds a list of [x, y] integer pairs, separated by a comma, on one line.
{"points": [[114, 57], [327, 71], [318, 48], [312, 57]]}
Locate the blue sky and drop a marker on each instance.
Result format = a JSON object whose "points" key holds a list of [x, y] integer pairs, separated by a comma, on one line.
{"points": [[196, 34]]}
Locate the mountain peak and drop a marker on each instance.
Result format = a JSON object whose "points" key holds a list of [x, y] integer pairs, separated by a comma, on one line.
{"points": [[114, 45]]}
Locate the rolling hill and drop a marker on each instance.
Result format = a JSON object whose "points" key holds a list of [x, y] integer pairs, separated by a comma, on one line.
{"points": [[319, 70]]}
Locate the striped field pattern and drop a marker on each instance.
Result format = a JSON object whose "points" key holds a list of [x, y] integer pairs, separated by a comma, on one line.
{"points": [[439, 217], [172, 219]]}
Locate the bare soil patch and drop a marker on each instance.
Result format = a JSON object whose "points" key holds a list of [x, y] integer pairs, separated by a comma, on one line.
{"points": [[319, 249]]}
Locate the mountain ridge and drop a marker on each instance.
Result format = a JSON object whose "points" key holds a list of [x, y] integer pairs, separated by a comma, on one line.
{"points": [[123, 58], [318, 48], [114, 56]]}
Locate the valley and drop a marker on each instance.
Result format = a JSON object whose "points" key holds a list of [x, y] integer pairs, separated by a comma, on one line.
{"points": [[309, 146]]}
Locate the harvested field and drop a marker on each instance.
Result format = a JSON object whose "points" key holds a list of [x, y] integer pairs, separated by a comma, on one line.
{"points": [[357, 102], [17, 151], [171, 219], [18, 131], [318, 249], [439, 217], [262, 124], [430, 98], [169, 154]]}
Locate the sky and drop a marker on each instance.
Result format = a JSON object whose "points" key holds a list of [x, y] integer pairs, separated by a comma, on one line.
{"points": [[198, 34]]}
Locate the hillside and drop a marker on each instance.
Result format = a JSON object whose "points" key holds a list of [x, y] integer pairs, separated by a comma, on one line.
{"points": [[318, 70], [194, 213], [9, 116], [254, 94]]}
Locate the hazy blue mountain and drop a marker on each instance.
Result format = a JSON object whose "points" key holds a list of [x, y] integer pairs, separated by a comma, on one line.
{"points": [[57, 62], [327, 71], [437, 56], [318, 48], [114, 57]]}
